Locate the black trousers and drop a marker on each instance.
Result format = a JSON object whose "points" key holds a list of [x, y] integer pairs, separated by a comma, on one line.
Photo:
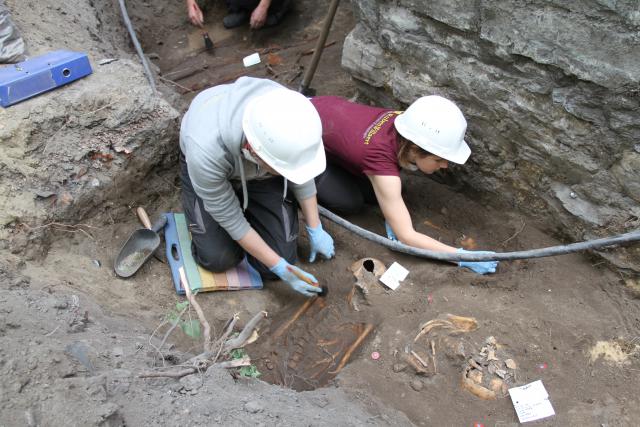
{"points": [[342, 192], [275, 219]]}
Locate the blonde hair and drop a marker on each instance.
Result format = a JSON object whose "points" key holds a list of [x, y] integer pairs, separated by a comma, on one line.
{"points": [[406, 149]]}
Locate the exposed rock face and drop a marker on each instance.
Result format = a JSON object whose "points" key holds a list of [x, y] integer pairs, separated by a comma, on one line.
{"points": [[550, 89], [80, 147]]}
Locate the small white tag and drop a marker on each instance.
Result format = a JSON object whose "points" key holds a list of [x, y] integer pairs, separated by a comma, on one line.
{"points": [[252, 59], [531, 402], [394, 275]]}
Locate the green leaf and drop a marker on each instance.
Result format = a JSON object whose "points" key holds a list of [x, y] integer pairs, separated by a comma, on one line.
{"points": [[237, 353], [172, 317], [191, 328], [249, 371], [182, 305]]}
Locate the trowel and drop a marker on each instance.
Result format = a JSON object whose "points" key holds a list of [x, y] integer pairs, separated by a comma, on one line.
{"points": [[208, 44], [140, 245]]}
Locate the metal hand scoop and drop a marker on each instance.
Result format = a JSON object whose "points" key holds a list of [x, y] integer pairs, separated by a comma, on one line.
{"points": [[140, 245]]}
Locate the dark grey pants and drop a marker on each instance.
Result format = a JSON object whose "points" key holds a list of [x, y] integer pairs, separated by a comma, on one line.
{"points": [[276, 6], [342, 192], [274, 219], [235, 6]]}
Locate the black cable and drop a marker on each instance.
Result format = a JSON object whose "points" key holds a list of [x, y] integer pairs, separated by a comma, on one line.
{"points": [[620, 239]]}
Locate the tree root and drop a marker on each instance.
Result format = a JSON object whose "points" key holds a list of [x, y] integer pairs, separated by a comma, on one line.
{"points": [[198, 309], [228, 364], [241, 339], [212, 350]]}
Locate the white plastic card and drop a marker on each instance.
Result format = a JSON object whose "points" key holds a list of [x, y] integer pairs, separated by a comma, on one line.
{"points": [[531, 402], [394, 275], [252, 59]]}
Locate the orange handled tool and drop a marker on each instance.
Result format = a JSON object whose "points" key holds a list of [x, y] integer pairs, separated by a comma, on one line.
{"points": [[324, 290]]}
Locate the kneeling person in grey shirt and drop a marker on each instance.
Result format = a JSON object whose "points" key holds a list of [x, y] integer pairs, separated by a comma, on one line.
{"points": [[250, 151]]}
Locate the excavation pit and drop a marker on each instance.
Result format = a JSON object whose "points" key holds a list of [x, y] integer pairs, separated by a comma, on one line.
{"points": [[306, 347], [549, 312]]}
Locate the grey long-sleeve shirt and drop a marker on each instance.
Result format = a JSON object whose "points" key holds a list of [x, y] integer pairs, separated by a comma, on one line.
{"points": [[211, 139]]}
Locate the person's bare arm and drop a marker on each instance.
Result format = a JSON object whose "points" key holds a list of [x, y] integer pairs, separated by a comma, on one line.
{"points": [[389, 195], [256, 246], [259, 14], [309, 209], [195, 14]]}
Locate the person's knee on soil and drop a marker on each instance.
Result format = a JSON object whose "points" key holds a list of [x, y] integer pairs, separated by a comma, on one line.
{"points": [[218, 261]]}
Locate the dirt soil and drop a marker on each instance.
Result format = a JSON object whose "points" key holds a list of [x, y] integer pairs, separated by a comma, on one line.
{"points": [[73, 336]]}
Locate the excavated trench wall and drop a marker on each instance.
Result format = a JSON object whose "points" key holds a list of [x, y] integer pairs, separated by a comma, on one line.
{"points": [[87, 147], [550, 89]]}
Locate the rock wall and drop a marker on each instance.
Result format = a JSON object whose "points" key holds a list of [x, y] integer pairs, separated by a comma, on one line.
{"points": [[86, 146], [550, 89]]}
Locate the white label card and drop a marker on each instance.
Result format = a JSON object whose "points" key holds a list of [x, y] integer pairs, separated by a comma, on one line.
{"points": [[394, 275], [252, 59], [531, 402]]}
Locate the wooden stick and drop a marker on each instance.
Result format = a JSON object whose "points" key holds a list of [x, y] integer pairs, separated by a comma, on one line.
{"points": [[310, 51], [168, 374], [186, 89], [297, 74], [352, 348], [183, 74], [198, 309]]}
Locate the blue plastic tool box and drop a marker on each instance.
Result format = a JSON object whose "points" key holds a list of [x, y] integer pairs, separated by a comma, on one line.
{"points": [[37, 75]]}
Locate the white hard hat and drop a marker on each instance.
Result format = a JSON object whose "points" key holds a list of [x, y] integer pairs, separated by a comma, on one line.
{"points": [[285, 131], [436, 125]]}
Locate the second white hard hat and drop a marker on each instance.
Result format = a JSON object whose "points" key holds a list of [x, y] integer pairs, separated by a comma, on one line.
{"points": [[436, 125], [285, 131]]}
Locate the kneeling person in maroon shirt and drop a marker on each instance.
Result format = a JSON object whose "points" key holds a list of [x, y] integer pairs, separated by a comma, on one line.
{"points": [[367, 146]]}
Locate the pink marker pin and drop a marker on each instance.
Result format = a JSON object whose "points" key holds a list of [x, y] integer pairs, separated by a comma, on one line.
{"points": [[375, 355]]}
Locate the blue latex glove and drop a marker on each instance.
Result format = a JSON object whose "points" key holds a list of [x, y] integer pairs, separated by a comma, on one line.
{"points": [[321, 243], [390, 234], [282, 270], [480, 267]]}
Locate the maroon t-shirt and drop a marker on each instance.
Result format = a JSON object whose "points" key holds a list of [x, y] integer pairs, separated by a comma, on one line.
{"points": [[359, 138]]}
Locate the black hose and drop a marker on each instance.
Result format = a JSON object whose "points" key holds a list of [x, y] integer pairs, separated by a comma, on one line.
{"points": [[620, 239], [136, 44]]}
